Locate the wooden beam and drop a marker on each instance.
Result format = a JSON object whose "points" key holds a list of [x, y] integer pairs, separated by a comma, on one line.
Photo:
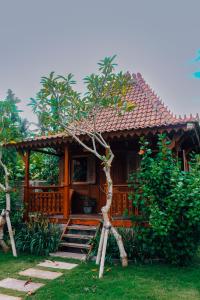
{"points": [[66, 181], [176, 140], [46, 152]]}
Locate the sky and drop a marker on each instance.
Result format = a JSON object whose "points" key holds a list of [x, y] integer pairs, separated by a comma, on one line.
{"points": [[158, 38]]}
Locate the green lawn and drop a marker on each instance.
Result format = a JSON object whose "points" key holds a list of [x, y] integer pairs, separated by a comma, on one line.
{"points": [[136, 282]]}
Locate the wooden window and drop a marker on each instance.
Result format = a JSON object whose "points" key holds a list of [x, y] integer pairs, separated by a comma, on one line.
{"points": [[133, 162], [124, 163], [83, 169]]}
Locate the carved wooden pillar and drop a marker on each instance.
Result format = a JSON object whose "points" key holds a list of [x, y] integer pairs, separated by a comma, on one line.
{"points": [[66, 181], [26, 182]]}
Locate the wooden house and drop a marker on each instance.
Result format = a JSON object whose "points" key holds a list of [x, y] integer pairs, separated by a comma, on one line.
{"points": [[80, 193]]}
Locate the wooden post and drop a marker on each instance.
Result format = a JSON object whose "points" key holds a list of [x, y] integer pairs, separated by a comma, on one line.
{"points": [[185, 162], [66, 204], [26, 183]]}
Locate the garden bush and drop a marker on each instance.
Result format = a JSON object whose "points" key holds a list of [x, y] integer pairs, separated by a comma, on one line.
{"points": [[112, 251], [168, 199], [38, 236]]}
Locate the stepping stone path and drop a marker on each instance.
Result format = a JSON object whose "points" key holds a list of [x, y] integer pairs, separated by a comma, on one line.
{"points": [[57, 265], [19, 285], [6, 297], [40, 274], [79, 256], [29, 286]]}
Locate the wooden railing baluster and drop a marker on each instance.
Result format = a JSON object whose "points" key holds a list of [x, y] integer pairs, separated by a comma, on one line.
{"points": [[48, 200]]}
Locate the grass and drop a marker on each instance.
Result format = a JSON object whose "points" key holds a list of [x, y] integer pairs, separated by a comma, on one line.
{"points": [[138, 282]]}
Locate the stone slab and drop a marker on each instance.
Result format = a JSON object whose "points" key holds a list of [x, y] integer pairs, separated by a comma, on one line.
{"points": [[40, 274], [57, 265], [19, 285], [63, 254], [6, 297]]}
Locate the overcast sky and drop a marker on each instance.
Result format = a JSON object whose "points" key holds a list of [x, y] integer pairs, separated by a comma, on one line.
{"points": [[157, 38]]}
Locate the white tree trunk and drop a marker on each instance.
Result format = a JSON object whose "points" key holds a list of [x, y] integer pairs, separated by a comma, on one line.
{"points": [[100, 246], [11, 234], [6, 213], [3, 245], [107, 226], [101, 270]]}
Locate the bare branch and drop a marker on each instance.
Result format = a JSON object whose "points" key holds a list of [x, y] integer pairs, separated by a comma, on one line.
{"points": [[94, 144], [68, 130]]}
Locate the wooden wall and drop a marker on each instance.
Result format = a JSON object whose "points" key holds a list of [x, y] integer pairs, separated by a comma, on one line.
{"points": [[122, 164]]}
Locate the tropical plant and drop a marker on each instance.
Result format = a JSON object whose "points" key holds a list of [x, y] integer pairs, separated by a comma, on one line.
{"points": [[38, 236], [168, 199], [10, 131], [44, 167], [76, 115], [128, 237]]}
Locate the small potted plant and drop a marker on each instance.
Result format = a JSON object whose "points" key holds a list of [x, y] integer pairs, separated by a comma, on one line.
{"points": [[88, 204]]}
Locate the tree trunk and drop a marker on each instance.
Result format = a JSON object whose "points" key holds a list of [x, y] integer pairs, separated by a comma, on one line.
{"points": [[2, 243], [107, 226], [12, 240], [6, 213]]}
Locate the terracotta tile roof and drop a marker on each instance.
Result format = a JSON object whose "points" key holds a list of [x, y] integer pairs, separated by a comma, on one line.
{"points": [[150, 112]]}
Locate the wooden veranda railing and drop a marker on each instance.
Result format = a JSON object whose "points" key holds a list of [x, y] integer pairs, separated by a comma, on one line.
{"points": [[50, 200], [121, 205], [46, 199]]}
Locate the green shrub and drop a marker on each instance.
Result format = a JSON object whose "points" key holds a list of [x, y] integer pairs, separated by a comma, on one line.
{"points": [[169, 200], [112, 251], [38, 236]]}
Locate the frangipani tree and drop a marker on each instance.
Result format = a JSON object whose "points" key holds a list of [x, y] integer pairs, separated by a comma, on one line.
{"points": [[104, 90]]}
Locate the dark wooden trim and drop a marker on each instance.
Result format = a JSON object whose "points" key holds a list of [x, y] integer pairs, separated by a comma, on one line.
{"points": [[63, 140], [66, 181], [26, 183], [46, 152]]}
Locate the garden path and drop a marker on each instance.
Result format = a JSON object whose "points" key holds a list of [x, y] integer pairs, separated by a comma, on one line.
{"points": [[27, 285]]}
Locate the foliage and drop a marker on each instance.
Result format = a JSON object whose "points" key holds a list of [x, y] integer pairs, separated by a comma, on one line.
{"points": [[58, 104], [12, 129], [38, 236], [44, 167], [168, 199], [112, 252]]}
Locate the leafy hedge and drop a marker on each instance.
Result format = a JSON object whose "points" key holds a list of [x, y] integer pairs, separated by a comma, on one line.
{"points": [[168, 198]]}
